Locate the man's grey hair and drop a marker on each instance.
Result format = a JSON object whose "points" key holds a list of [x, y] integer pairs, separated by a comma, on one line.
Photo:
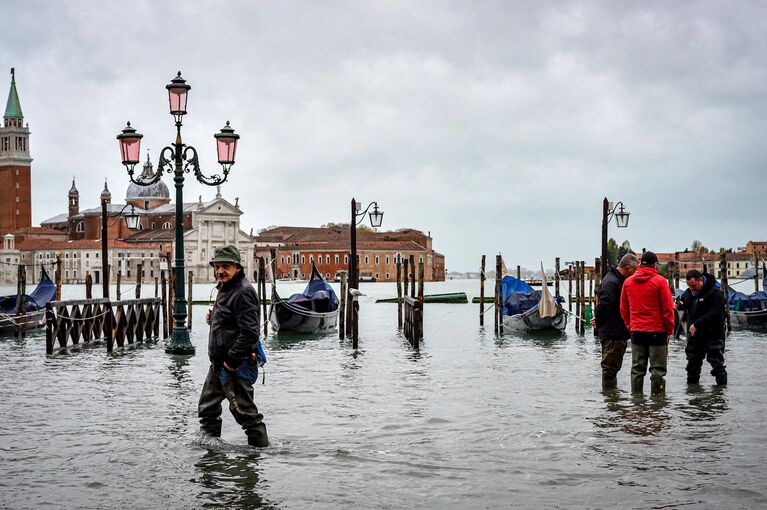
{"points": [[629, 260]]}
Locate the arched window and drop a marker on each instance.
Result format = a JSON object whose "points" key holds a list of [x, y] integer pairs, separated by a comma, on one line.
{"points": [[80, 227], [167, 225]]}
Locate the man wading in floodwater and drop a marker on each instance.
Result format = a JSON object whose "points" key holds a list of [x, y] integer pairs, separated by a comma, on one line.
{"points": [[233, 348]]}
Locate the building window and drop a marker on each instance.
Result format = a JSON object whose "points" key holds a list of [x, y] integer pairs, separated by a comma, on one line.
{"points": [[387, 276], [154, 225], [80, 227], [378, 259], [367, 259], [303, 259], [327, 275], [420, 259], [398, 258], [66, 274], [282, 260], [311, 259], [146, 204], [167, 225], [387, 260], [336, 259], [346, 259], [377, 276]]}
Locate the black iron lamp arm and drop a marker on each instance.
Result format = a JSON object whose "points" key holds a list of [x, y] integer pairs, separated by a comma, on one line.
{"points": [[117, 216], [193, 164], [611, 212], [362, 214]]}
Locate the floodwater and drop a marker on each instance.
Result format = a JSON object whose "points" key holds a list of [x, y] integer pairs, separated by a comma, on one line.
{"points": [[470, 421]]}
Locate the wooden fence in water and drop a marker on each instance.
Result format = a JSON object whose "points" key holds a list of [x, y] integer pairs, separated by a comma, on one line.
{"points": [[87, 320]]}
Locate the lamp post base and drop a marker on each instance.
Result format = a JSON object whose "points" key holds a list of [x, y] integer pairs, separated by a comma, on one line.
{"points": [[180, 343]]}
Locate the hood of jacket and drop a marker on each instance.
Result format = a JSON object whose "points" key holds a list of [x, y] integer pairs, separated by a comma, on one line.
{"points": [[644, 273]]}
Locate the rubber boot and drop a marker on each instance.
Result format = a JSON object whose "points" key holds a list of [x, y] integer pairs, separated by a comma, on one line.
{"points": [[258, 437], [609, 382], [692, 380], [657, 387], [721, 380], [637, 384]]}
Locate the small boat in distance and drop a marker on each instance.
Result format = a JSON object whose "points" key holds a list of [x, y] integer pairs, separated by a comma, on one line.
{"points": [[748, 311], [525, 309], [35, 306], [315, 310]]}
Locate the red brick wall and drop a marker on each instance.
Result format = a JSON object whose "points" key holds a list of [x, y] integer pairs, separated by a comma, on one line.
{"points": [[9, 179]]}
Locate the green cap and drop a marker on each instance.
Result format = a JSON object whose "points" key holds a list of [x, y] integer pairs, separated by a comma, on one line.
{"points": [[227, 253]]}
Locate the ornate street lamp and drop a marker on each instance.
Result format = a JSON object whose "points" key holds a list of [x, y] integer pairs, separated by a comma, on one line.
{"points": [[132, 221], [621, 218], [376, 218], [179, 158]]}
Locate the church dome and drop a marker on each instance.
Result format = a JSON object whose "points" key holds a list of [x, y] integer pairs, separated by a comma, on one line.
{"points": [[157, 191]]}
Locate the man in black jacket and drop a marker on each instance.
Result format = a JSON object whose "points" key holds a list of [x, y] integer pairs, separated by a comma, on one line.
{"points": [[704, 303], [610, 329], [232, 349]]}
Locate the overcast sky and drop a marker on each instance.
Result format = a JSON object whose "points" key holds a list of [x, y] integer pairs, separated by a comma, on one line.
{"points": [[497, 126]]}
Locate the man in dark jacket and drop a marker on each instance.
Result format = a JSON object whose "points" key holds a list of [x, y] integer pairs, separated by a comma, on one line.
{"points": [[610, 329], [704, 303], [232, 349], [647, 309]]}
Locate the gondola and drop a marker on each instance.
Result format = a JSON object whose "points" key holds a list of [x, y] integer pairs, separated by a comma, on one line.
{"points": [[34, 306], [748, 311], [315, 310], [521, 308]]}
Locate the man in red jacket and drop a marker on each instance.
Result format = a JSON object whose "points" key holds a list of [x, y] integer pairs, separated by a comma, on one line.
{"points": [[647, 309]]}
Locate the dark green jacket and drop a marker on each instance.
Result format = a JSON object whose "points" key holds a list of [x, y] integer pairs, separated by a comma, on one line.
{"points": [[234, 322]]}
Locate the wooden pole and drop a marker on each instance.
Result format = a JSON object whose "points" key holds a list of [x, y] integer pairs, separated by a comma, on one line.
{"points": [[139, 279], [419, 331], [676, 269], [756, 271], [58, 276], [119, 281], [583, 295], [164, 307], [355, 309], [262, 292], [399, 294], [21, 303], [578, 303], [342, 306], [482, 292], [725, 288], [556, 278], [88, 286], [570, 288], [405, 275], [498, 296], [519, 273], [156, 287], [190, 298], [412, 275]]}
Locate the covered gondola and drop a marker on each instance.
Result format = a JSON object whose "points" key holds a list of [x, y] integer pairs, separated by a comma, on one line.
{"points": [[34, 316], [522, 310], [315, 310], [748, 310]]}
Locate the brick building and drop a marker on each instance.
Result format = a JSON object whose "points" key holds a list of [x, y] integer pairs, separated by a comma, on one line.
{"points": [[737, 263], [329, 249], [15, 166]]}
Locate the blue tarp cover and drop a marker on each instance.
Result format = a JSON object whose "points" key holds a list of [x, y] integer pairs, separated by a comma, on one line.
{"points": [[741, 302], [318, 296], [43, 293], [518, 296]]}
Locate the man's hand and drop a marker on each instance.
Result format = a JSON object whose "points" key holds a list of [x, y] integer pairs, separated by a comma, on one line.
{"points": [[692, 330], [668, 339], [593, 322], [228, 368], [207, 317]]}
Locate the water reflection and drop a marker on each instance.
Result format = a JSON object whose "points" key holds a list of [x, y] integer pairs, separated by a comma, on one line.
{"points": [[705, 405], [635, 414], [230, 479]]}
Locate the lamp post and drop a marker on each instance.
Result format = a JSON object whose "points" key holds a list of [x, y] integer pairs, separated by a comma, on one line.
{"points": [[179, 158], [131, 221], [621, 218], [376, 218]]}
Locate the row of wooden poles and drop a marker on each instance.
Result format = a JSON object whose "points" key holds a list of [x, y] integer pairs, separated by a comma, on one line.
{"points": [[577, 276], [409, 303]]}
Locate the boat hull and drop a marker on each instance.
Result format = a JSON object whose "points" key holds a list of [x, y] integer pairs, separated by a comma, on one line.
{"points": [[285, 317], [526, 322], [32, 320], [752, 319]]}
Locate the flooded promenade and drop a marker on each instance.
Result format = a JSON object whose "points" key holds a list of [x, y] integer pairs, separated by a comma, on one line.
{"points": [[470, 421]]}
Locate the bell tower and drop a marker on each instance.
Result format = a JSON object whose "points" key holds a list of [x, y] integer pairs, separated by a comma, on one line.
{"points": [[15, 166]]}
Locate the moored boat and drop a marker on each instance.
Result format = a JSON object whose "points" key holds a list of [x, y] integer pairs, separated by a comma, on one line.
{"points": [[748, 310], [34, 306], [315, 310], [526, 309]]}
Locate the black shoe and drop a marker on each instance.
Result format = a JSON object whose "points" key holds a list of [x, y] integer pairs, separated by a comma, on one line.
{"points": [[721, 380]]}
